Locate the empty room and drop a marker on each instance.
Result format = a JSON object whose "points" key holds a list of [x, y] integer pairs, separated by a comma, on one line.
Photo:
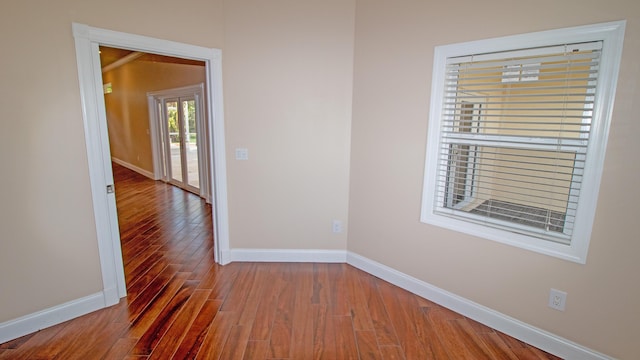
{"points": [[378, 179]]}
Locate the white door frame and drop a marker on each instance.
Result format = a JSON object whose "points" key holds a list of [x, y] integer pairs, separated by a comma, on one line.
{"points": [[87, 42]]}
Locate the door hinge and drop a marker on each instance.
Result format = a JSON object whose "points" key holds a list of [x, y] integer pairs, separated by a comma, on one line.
{"points": [[110, 189]]}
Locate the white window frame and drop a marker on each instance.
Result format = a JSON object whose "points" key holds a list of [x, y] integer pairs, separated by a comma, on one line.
{"points": [[612, 35]]}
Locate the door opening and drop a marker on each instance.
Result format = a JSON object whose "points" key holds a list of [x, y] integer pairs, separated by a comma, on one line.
{"points": [[87, 43]]}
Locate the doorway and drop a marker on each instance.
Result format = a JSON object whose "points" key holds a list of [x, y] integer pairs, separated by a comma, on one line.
{"points": [[87, 42]]}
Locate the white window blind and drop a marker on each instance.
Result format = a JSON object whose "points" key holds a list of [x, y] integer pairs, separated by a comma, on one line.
{"points": [[518, 128], [514, 133]]}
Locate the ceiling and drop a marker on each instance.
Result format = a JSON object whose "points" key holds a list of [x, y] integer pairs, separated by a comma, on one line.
{"points": [[109, 55]]}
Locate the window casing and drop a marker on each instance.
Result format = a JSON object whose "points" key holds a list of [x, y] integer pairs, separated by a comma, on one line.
{"points": [[517, 133]]}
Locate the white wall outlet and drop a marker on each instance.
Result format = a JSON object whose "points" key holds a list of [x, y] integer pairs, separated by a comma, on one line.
{"points": [[242, 154], [336, 226], [557, 299]]}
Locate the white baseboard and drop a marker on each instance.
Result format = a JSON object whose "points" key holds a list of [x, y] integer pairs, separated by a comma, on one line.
{"points": [[137, 169], [270, 255], [531, 335], [515, 328], [28, 324]]}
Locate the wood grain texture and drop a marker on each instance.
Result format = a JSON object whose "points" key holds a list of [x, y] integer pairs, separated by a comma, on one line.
{"points": [[181, 305]]}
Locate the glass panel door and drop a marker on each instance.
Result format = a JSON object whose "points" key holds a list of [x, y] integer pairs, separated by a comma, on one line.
{"points": [[181, 143], [174, 166], [191, 142]]}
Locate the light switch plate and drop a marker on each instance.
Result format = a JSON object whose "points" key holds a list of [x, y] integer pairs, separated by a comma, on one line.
{"points": [[242, 154]]}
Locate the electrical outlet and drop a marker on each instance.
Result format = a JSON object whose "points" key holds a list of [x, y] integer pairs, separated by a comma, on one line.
{"points": [[557, 299], [336, 226]]}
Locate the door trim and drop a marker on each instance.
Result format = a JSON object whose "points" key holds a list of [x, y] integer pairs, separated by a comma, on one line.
{"points": [[87, 41]]}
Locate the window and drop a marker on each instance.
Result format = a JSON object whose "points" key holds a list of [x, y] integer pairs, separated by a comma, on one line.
{"points": [[517, 133]]}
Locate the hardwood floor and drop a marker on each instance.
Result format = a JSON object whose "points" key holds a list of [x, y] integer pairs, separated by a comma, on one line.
{"points": [[182, 305]]}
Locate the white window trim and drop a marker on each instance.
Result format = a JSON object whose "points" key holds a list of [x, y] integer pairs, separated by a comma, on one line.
{"points": [[612, 35]]}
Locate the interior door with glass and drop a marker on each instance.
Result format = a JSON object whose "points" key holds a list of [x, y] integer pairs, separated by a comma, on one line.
{"points": [[181, 142]]}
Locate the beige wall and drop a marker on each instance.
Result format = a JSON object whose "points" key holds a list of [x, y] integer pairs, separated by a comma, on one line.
{"points": [[289, 72], [287, 85], [393, 64], [127, 108]]}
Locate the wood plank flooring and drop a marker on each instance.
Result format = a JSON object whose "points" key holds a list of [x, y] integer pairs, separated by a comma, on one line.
{"points": [[181, 305]]}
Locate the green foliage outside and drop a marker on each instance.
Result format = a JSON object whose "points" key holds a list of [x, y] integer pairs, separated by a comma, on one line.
{"points": [[172, 114], [189, 108]]}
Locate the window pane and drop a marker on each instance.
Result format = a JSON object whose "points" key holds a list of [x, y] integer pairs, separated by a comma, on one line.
{"points": [[514, 140], [526, 181]]}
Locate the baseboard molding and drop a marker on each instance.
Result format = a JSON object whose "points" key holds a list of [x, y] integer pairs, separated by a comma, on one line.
{"points": [[271, 255], [531, 335], [139, 170], [537, 337], [28, 324]]}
